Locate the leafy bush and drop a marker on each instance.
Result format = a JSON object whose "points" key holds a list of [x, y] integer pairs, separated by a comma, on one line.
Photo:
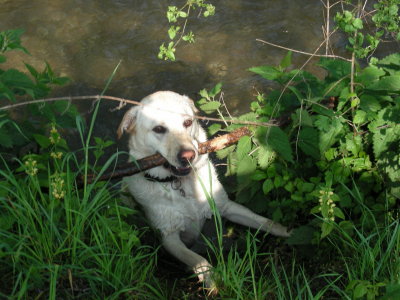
{"points": [[343, 134], [335, 141]]}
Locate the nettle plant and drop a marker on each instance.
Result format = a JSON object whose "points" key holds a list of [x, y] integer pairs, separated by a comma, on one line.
{"points": [[178, 31], [340, 151], [333, 152]]}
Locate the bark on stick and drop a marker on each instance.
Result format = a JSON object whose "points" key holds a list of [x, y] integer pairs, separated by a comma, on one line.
{"points": [[156, 160]]}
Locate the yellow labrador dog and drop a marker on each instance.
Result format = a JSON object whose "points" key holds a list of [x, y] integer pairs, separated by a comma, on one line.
{"points": [[175, 196]]}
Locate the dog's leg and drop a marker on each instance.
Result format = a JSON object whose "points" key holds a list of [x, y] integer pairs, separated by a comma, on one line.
{"points": [[174, 245], [244, 216]]}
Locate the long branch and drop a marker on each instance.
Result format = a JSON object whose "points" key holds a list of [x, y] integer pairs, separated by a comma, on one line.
{"points": [[157, 159], [123, 103]]}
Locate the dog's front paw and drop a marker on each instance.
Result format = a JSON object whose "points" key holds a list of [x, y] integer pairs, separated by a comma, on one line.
{"points": [[203, 271], [280, 230]]}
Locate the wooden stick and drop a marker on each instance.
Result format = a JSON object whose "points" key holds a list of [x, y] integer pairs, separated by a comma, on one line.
{"points": [[156, 160]]}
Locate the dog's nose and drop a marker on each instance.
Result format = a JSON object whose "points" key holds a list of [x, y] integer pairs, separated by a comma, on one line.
{"points": [[186, 156]]}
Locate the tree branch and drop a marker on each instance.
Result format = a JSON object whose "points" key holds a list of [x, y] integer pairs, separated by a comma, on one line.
{"points": [[123, 103], [156, 160]]}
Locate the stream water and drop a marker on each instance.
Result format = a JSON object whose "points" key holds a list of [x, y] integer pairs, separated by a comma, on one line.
{"points": [[86, 39]]}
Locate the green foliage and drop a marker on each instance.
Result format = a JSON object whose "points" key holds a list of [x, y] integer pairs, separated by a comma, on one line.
{"points": [[178, 32], [18, 86], [62, 239], [334, 139], [386, 22]]}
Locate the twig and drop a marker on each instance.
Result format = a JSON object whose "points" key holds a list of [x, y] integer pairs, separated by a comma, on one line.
{"points": [[97, 97], [327, 28], [124, 101], [305, 53]]}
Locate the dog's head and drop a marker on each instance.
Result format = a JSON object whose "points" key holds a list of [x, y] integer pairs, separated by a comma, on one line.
{"points": [[164, 123]]}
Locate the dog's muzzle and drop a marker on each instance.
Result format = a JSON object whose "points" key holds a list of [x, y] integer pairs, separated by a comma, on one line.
{"points": [[178, 171], [185, 158]]}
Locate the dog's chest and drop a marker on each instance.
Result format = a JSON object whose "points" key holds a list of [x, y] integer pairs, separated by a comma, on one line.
{"points": [[172, 206], [186, 197]]}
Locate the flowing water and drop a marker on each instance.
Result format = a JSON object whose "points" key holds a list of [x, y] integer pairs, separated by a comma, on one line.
{"points": [[86, 39]]}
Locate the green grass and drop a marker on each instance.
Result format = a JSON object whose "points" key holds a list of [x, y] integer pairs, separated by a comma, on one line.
{"points": [[80, 246]]}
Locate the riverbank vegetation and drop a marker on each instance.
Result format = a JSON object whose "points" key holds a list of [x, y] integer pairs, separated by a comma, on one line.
{"points": [[332, 172]]}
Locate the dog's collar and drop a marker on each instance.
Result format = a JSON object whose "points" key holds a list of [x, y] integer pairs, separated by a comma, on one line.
{"points": [[157, 179], [175, 181]]}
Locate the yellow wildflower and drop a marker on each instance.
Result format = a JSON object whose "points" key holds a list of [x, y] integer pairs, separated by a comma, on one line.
{"points": [[56, 155], [31, 167], [57, 186], [54, 135]]}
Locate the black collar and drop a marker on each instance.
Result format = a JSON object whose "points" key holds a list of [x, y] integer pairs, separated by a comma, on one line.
{"points": [[166, 179]]}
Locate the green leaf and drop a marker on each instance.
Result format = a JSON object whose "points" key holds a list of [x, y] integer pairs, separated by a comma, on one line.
{"points": [[214, 128], [302, 117], [243, 147], [277, 215], [210, 107], [286, 61], [360, 117], [369, 103], [246, 167], [17, 79], [355, 102], [308, 142], [307, 187], [278, 140], [326, 229], [223, 153], [353, 143], [182, 14], [267, 72], [330, 128], [390, 62], [370, 74], [172, 31], [6, 139], [338, 213], [337, 69], [258, 175], [323, 110], [357, 23], [360, 290], [42, 140], [216, 90], [2, 59], [268, 186], [203, 93], [11, 40], [392, 292], [302, 235], [388, 83], [278, 181], [265, 156], [385, 138]]}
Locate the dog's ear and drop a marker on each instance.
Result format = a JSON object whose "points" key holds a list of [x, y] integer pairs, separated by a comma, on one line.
{"points": [[192, 105], [128, 122]]}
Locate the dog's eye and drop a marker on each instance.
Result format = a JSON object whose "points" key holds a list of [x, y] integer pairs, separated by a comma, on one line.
{"points": [[160, 129], [187, 123]]}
